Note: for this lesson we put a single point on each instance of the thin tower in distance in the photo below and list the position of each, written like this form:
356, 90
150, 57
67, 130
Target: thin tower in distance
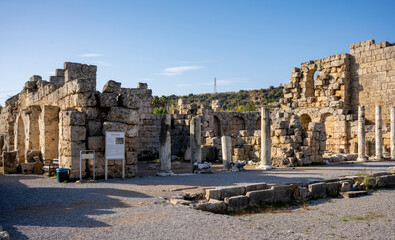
215, 85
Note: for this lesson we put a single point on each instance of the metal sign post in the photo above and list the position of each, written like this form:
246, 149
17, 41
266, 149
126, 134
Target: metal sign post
85, 155
115, 149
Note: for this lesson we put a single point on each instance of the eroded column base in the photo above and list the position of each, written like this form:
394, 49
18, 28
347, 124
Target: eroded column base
265, 167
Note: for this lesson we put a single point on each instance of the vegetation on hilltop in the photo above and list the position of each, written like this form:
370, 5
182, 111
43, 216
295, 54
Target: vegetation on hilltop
241, 101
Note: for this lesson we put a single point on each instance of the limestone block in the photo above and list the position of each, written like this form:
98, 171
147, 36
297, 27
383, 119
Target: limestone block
81, 86
74, 133
333, 189
131, 158
345, 186
96, 143
114, 126
317, 190
30, 154
236, 203
128, 100
79, 71
112, 87
87, 99
256, 198
385, 181
108, 100
281, 193
232, 191
300, 194
28, 168
213, 194
10, 162
93, 128
71, 149
132, 131
214, 206
123, 115
131, 171
256, 186
73, 118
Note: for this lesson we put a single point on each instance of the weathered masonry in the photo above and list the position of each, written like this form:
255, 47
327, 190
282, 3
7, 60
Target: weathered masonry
317, 117
66, 114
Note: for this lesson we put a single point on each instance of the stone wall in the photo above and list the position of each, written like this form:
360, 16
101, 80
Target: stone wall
66, 114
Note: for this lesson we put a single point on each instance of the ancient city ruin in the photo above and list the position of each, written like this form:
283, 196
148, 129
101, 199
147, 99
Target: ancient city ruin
341, 104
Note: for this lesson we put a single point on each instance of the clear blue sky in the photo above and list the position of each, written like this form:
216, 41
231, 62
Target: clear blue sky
178, 47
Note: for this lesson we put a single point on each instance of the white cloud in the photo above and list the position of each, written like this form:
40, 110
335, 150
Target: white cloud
90, 55
100, 63
174, 71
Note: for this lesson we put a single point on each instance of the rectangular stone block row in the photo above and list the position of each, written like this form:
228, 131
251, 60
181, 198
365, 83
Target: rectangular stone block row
225, 192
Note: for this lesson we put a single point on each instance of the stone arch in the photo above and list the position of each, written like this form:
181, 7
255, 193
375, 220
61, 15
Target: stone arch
310, 77
258, 124
217, 127
20, 145
49, 132
236, 124
330, 130
305, 119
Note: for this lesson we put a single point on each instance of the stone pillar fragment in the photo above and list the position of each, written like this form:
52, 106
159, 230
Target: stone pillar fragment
379, 135
266, 158
195, 141
226, 152
361, 134
165, 147
392, 137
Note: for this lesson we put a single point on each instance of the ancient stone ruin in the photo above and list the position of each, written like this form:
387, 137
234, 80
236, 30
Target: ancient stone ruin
317, 118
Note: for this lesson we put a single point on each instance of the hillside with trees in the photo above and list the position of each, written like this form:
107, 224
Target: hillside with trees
241, 101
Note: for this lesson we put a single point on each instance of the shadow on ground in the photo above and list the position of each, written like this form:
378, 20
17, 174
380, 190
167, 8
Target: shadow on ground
61, 206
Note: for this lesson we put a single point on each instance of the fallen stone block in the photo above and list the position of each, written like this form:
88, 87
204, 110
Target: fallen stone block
28, 168
176, 201
213, 194
333, 189
256, 186
256, 198
317, 190
352, 194
232, 191
345, 186
385, 181
213, 206
236, 203
282, 193
301, 194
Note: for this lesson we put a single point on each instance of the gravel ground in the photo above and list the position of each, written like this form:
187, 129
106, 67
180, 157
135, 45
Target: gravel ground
36, 207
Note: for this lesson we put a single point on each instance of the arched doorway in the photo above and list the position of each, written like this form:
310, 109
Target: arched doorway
258, 124
236, 124
330, 129
305, 120
217, 127
20, 141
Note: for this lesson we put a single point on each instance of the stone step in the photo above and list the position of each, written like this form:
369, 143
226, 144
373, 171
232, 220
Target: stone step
352, 194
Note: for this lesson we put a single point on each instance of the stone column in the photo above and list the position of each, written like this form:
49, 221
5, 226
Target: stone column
195, 141
392, 136
165, 147
226, 152
266, 157
379, 135
361, 134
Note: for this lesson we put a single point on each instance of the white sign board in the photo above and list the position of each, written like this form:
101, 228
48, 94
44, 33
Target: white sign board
115, 145
87, 156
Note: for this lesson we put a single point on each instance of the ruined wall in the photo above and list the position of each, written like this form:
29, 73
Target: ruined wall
373, 77
67, 114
